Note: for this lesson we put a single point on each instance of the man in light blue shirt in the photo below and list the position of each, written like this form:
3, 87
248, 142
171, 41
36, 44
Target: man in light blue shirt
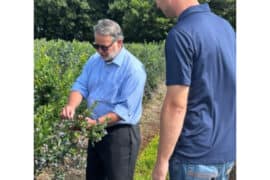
115, 79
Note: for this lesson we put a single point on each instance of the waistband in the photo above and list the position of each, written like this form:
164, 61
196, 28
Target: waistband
118, 126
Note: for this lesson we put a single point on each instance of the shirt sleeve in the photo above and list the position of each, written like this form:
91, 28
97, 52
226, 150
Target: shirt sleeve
131, 94
179, 58
81, 82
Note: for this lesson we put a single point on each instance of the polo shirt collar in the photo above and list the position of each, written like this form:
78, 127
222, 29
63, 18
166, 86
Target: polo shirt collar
194, 9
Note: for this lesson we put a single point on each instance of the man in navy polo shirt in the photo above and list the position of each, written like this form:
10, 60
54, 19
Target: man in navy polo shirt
198, 118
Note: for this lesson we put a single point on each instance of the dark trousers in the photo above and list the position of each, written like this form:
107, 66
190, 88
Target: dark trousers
114, 157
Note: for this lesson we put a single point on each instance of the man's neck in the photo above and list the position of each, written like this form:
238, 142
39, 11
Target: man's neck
186, 4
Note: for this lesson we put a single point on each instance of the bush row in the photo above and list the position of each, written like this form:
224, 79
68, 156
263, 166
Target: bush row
57, 64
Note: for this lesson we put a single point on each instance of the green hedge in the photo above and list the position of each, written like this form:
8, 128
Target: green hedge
57, 64
141, 20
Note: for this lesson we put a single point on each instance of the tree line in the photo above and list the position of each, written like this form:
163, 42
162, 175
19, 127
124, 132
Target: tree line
141, 20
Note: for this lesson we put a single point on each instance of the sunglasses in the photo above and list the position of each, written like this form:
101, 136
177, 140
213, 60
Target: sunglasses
102, 47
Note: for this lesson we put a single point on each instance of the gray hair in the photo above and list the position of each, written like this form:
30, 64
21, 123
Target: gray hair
109, 27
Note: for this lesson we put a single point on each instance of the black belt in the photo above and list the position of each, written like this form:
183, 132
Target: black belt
118, 126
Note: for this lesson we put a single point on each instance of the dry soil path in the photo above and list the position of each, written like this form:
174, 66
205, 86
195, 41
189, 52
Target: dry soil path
151, 113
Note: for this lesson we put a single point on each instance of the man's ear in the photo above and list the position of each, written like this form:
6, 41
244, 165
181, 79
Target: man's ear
119, 42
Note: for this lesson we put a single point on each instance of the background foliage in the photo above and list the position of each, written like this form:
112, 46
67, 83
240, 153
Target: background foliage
140, 19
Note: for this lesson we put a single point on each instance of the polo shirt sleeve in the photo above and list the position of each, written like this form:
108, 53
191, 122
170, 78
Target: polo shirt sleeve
81, 82
131, 94
179, 58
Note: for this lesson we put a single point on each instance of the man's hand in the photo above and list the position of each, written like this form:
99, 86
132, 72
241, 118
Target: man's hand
68, 112
160, 171
91, 122
74, 101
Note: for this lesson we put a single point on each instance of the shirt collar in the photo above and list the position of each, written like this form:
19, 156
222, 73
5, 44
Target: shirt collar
118, 59
194, 9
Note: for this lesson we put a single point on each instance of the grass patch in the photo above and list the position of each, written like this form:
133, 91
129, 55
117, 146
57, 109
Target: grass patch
146, 161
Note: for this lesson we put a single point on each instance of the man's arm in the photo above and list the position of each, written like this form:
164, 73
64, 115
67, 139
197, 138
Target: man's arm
74, 101
171, 123
110, 118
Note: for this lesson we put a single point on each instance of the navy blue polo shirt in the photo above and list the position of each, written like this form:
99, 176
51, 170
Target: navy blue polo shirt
200, 53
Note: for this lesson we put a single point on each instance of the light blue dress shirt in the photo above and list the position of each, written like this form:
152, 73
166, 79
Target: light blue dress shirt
116, 87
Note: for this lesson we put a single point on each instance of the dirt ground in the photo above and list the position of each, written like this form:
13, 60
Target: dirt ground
150, 117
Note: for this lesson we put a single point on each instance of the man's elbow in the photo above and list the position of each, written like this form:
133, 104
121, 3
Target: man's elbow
180, 109
177, 107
